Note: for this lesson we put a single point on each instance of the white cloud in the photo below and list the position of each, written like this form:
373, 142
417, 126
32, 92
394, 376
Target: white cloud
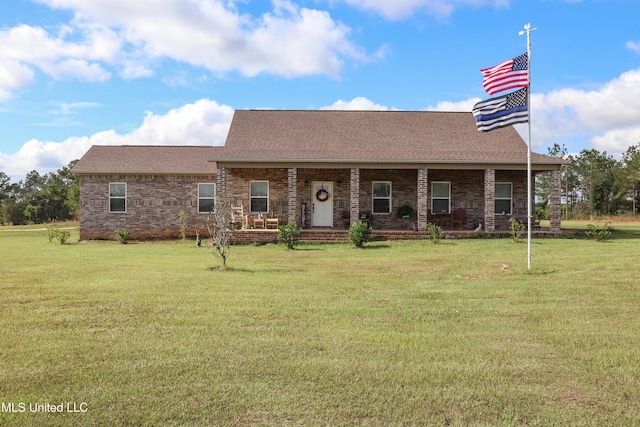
618, 140
610, 113
466, 105
13, 75
25, 47
634, 46
357, 103
400, 9
133, 36
204, 122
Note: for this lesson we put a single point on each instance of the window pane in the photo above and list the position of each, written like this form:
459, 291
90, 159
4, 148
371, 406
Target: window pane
503, 206
259, 189
503, 191
440, 189
381, 189
258, 205
440, 205
117, 190
206, 190
205, 205
117, 205
380, 205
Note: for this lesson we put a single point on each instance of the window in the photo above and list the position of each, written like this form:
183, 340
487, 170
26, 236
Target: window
117, 197
259, 196
206, 197
381, 197
440, 197
503, 198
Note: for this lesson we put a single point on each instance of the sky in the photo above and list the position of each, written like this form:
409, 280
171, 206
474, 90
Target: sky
74, 73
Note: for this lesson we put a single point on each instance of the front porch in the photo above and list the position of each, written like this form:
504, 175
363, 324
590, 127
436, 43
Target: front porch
333, 198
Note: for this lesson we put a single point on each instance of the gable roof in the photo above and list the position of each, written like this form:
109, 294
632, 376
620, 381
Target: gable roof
147, 159
370, 136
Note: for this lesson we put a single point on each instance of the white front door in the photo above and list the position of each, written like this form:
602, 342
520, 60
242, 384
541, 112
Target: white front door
322, 204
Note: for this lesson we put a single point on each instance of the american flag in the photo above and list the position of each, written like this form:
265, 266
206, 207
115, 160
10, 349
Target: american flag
501, 111
510, 74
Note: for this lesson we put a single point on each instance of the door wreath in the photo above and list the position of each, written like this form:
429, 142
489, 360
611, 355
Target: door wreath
322, 195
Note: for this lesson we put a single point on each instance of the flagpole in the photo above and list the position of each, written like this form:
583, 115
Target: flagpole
528, 29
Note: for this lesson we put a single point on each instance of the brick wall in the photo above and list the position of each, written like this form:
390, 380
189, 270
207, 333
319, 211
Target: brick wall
153, 203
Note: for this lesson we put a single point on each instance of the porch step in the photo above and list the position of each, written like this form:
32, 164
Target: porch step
342, 236
322, 236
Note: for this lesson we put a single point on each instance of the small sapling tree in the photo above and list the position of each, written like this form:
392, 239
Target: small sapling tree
517, 229
221, 230
435, 233
182, 217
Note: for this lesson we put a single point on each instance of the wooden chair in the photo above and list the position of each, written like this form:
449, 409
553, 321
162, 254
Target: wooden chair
535, 223
238, 217
346, 219
458, 218
259, 222
273, 222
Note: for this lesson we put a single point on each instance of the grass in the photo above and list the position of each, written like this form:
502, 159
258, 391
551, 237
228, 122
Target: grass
398, 333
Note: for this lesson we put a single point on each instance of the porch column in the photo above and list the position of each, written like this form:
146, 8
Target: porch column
423, 198
489, 200
354, 195
221, 182
292, 211
556, 203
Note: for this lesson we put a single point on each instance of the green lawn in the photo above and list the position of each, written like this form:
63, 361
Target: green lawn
398, 333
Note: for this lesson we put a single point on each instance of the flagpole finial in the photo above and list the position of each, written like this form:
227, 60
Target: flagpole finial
527, 29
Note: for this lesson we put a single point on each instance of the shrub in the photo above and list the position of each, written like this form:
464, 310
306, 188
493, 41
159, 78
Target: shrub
517, 229
123, 236
60, 235
51, 232
595, 231
359, 233
434, 232
289, 233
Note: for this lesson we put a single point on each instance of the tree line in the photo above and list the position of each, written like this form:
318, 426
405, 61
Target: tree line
40, 198
593, 183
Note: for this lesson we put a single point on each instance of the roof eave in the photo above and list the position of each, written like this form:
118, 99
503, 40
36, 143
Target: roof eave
137, 172
377, 161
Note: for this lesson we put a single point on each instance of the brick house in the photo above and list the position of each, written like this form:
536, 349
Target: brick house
322, 170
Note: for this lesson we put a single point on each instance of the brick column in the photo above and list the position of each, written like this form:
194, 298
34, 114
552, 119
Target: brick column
556, 203
489, 200
354, 195
221, 185
423, 198
292, 211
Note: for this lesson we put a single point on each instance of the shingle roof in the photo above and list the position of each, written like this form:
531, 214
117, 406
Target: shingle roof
147, 159
384, 136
